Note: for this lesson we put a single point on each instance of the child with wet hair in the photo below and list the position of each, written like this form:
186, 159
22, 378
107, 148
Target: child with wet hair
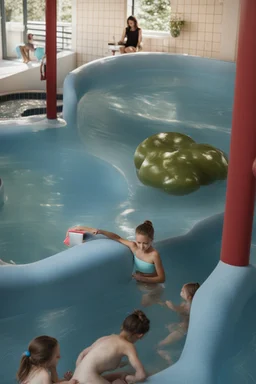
178, 330
38, 364
148, 267
107, 352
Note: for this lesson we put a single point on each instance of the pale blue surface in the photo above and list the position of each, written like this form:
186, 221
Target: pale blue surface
56, 178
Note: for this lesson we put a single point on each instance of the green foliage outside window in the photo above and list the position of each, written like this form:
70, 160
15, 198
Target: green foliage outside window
36, 10
154, 15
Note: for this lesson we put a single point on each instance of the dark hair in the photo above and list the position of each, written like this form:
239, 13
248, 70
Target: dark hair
146, 229
40, 351
192, 288
30, 35
137, 323
132, 18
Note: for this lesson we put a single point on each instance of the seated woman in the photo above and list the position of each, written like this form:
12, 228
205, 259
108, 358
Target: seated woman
24, 49
134, 36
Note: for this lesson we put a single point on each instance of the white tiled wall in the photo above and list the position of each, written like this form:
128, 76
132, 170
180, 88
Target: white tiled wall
209, 25
97, 22
201, 34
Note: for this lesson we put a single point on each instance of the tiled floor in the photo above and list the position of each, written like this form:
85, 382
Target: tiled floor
9, 67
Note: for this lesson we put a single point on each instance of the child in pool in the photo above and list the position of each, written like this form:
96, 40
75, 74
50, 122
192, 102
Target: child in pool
149, 271
179, 330
106, 354
38, 364
147, 261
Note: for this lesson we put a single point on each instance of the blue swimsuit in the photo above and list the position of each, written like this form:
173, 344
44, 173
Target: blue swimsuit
143, 266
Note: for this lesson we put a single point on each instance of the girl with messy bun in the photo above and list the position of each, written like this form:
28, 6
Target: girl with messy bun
148, 266
107, 352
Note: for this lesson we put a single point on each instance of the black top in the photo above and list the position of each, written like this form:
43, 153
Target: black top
132, 37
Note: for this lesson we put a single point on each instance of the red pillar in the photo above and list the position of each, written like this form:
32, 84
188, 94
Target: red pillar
51, 53
237, 231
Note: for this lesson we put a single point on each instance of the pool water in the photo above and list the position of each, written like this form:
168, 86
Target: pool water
15, 108
54, 179
79, 321
84, 174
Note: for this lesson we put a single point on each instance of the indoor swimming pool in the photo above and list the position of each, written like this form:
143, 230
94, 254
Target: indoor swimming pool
84, 174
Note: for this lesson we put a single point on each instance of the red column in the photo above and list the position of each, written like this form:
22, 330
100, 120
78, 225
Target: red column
240, 198
51, 53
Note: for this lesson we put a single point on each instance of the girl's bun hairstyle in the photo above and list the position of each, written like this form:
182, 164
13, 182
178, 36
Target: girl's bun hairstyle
146, 229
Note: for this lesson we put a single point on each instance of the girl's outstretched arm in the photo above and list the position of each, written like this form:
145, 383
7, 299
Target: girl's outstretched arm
110, 235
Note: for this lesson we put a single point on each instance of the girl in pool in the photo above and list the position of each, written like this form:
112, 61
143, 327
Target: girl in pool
148, 268
106, 354
134, 36
38, 364
179, 330
147, 261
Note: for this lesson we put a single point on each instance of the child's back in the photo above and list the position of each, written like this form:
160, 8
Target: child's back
104, 355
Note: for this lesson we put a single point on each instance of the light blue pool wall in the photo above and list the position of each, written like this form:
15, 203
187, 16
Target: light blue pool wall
217, 306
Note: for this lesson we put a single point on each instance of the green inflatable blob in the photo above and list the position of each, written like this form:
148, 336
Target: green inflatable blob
178, 165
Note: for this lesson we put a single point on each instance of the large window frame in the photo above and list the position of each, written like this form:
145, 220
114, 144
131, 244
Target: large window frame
131, 9
65, 38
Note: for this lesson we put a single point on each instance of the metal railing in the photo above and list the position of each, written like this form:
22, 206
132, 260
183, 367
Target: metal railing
64, 34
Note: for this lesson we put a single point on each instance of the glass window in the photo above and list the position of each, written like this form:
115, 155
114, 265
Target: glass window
14, 27
153, 15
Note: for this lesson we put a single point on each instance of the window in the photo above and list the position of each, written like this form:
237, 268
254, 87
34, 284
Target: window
28, 16
153, 15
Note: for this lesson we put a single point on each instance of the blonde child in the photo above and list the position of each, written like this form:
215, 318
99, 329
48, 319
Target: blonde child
179, 330
38, 364
106, 354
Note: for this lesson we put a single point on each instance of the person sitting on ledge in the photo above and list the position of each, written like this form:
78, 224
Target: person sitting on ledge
24, 49
134, 36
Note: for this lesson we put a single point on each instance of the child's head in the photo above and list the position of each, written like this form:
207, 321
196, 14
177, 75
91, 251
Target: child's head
188, 291
136, 325
43, 351
144, 235
30, 36
132, 22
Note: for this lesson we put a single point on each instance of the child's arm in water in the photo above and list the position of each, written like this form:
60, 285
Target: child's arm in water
110, 235
55, 378
160, 274
182, 308
45, 378
140, 374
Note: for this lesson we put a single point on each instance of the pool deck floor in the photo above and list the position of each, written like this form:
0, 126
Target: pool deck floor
10, 67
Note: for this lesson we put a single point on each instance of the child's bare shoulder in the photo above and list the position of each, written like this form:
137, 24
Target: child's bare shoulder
40, 376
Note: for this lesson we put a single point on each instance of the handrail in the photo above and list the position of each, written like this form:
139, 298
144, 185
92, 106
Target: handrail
64, 33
